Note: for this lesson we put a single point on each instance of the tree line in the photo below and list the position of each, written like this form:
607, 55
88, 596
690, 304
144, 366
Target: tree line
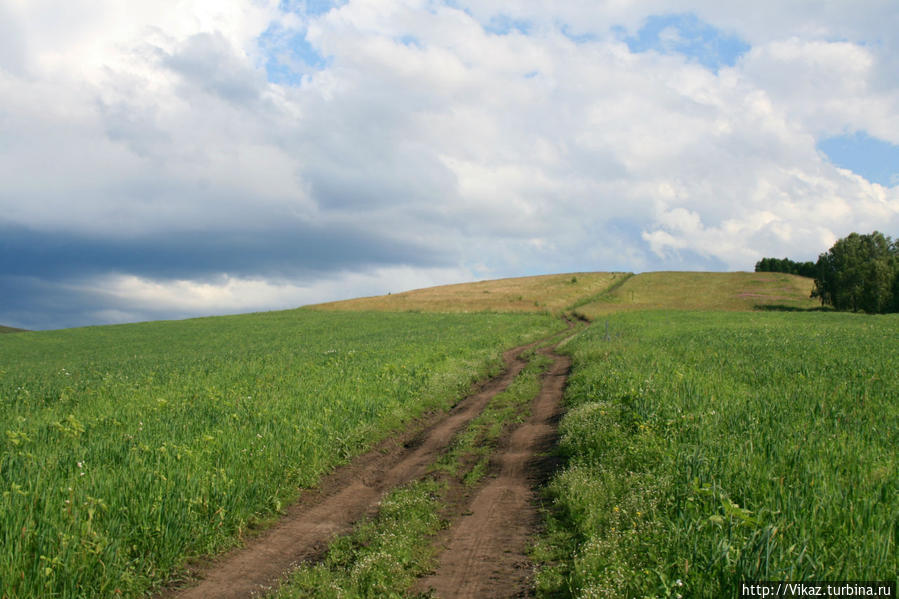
859, 273
805, 269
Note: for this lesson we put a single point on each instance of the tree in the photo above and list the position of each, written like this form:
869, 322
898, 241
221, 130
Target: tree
859, 273
805, 269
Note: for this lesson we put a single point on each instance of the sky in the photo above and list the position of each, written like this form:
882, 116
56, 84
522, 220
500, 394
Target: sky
181, 158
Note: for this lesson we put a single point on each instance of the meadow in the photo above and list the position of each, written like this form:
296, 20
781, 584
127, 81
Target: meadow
128, 449
708, 448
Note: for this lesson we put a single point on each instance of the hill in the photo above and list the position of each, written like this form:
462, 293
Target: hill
729, 291
593, 295
4, 329
553, 293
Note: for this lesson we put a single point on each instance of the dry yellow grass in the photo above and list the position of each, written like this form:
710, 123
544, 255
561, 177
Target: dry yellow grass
552, 293
704, 291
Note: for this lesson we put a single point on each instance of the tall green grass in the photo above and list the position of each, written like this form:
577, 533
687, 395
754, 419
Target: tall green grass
705, 449
125, 450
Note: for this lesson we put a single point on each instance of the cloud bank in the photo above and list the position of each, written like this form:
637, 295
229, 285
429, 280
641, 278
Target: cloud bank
169, 159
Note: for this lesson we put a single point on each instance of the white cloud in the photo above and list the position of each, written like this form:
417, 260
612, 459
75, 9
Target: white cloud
827, 87
138, 295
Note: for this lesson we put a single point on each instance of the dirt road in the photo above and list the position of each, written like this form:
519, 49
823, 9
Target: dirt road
485, 551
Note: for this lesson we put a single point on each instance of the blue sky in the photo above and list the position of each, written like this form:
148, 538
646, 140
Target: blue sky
176, 159
689, 36
874, 159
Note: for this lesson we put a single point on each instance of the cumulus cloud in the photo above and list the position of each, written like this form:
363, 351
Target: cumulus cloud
196, 153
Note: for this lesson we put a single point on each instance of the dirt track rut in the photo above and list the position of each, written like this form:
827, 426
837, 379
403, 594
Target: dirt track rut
485, 551
343, 498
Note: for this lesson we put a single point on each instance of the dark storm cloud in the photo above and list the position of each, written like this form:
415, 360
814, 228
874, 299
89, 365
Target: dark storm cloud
32, 303
37, 304
202, 254
43, 275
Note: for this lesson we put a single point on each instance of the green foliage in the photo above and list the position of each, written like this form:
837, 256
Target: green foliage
705, 449
382, 557
860, 272
124, 450
785, 265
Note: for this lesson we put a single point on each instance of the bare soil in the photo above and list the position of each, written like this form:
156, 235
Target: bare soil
485, 549
348, 494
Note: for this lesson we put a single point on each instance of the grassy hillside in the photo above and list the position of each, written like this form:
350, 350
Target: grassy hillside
126, 449
594, 295
553, 293
731, 291
4, 329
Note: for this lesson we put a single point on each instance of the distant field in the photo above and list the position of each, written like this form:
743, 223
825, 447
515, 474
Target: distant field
731, 291
706, 449
548, 293
4, 329
126, 449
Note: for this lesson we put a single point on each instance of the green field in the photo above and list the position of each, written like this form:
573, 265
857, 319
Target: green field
127, 449
738, 434
706, 449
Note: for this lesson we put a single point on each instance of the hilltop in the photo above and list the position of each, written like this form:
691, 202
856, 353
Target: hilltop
4, 329
554, 293
592, 295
